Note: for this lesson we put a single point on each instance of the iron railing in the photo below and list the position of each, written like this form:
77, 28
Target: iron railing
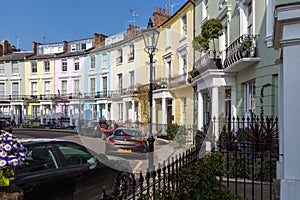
244, 47
248, 148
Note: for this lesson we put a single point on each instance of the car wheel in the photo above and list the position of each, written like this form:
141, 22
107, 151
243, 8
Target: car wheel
124, 184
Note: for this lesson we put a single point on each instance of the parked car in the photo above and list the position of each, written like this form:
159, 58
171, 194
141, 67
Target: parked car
126, 142
58, 169
6, 125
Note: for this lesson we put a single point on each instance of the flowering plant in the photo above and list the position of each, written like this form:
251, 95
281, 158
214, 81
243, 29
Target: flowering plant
12, 154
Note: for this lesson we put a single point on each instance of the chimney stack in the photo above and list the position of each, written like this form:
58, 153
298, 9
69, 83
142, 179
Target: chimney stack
160, 16
34, 47
132, 30
6, 47
65, 47
99, 39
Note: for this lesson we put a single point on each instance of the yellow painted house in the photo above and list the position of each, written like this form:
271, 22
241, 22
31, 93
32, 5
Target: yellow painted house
39, 86
173, 94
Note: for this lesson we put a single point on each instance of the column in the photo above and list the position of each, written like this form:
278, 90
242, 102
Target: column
133, 111
215, 113
106, 112
290, 182
154, 120
71, 115
41, 114
200, 110
125, 111
164, 115
51, 111
233, 102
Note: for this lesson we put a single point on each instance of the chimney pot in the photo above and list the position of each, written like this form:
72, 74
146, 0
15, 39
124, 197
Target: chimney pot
156, 9
167, 12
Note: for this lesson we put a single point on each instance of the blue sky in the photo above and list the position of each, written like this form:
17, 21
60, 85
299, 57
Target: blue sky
66, 20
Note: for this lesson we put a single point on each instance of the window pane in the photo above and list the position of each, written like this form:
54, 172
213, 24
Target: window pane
75, 154
38, 158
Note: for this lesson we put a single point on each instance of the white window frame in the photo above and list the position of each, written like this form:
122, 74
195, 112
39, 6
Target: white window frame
183, 26
15, 93
33, 67
2, 68
104, 60
34, 88
120, 56
46, 66
92, 86
2, 89
93, 61
168, 36
76, 84
64, 65
76, 64
47, 88
15, 68
249, 98
64, 87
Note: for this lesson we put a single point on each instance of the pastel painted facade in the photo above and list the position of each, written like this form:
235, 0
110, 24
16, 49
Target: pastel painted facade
39, 83
239, 82
12, 83
128, 70
174, 95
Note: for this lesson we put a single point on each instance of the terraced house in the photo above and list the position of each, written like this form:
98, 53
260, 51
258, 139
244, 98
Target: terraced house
242, 79
108, 77
12, 82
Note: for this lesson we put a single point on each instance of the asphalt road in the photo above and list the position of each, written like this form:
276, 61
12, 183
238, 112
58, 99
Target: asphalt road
163, 150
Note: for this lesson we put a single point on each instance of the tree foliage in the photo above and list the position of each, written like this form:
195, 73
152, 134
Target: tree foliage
212, 29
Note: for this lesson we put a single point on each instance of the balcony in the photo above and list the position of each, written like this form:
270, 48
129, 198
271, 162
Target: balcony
205, 63
241, 53
103, 94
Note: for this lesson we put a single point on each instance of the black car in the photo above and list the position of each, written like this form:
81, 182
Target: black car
127, 142
57, 169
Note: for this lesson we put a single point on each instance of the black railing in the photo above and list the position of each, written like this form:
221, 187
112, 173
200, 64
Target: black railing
244, 47
151, 182
247, 149
204, 63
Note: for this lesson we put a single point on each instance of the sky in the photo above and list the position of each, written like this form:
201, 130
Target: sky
49, 21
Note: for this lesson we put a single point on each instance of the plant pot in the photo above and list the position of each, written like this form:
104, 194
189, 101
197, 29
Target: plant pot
11, 192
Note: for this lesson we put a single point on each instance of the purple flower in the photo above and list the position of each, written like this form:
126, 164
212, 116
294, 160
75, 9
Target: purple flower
7, 147
3, 154
3, 163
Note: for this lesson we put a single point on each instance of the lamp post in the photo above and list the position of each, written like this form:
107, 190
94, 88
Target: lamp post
150, 36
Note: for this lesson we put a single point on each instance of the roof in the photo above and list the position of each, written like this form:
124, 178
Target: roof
15, 56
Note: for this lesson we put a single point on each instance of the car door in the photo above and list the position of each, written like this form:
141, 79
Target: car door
42, 176
89, 174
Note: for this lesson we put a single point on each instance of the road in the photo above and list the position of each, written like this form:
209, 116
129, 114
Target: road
163, 150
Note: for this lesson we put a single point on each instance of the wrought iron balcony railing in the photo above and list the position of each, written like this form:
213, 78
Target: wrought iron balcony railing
244, 47
204, 63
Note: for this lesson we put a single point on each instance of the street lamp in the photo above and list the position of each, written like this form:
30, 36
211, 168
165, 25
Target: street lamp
150, 36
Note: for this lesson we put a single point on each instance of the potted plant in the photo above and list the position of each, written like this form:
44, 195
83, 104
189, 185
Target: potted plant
12, 155
210, 30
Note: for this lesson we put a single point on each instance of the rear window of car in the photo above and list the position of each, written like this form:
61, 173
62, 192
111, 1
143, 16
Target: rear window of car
127, 132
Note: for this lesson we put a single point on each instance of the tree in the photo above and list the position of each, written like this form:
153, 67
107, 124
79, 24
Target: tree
210, 30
